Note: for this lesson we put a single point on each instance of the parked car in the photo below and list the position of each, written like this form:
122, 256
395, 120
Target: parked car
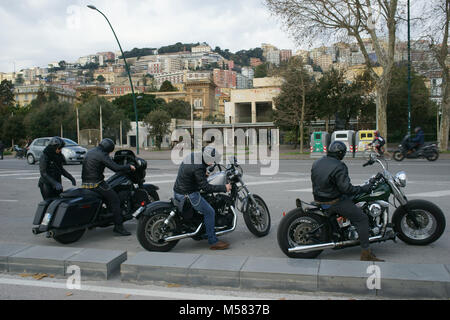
72, 152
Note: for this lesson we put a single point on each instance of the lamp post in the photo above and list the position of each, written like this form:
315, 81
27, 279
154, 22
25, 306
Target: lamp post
129, 77
409, 71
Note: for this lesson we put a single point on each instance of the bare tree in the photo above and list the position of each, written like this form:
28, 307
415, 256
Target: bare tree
437, 20
357, 19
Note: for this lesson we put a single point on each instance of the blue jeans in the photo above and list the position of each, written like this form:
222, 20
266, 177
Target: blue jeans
202, 206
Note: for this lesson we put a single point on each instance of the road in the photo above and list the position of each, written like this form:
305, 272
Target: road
19, 196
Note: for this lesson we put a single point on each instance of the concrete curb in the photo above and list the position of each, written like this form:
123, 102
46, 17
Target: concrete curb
381, 279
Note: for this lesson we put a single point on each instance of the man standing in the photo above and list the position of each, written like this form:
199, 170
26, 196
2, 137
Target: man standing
190, 180
2, 148
332, 186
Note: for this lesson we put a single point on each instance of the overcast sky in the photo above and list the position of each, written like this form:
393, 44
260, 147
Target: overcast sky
36, 32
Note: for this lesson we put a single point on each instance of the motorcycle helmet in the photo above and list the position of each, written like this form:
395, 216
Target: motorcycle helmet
377, 133
210, 155
337, 150
107, 145
57, 142
417, 129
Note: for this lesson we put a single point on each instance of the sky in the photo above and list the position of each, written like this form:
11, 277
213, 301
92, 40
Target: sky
38, 32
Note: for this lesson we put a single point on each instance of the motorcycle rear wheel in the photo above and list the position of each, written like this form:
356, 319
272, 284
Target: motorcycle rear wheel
293, 231
70, 237
149, 232
433, 156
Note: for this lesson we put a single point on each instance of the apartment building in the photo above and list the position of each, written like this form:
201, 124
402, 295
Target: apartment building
224, 78
23, 95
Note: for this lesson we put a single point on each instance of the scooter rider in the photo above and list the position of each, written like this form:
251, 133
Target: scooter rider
190, 180
331, 186
379, 142
51, 169
92, 178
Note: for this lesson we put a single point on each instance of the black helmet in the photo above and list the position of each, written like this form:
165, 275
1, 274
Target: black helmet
337, 150
210, 155
57, 142
107, 145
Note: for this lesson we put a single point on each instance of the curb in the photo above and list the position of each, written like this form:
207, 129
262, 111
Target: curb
385, 279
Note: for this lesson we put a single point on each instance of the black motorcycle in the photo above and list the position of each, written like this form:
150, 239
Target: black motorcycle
66, 218
428, 151
305, 232
163, 223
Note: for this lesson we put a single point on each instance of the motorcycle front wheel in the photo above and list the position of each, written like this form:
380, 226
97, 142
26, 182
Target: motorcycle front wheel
428, 226
150, 232
295, 230
258, 224
398, 156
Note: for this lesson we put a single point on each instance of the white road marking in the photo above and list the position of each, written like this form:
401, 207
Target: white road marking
124, 291
1, 200
275, 181
301, 190
432, 194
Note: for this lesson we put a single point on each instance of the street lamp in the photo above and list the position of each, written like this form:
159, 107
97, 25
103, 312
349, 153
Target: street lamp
129, 77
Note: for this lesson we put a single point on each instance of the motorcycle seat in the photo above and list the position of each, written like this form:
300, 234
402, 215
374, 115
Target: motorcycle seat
80, 192
184, 207
321, 206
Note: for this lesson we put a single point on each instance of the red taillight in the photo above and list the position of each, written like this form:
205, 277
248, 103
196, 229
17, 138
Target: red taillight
86, 206
143, 204
284, 214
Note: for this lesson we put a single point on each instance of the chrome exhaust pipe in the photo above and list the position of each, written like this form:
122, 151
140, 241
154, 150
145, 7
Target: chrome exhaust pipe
185, 235
219, 233
330, 245
234, 224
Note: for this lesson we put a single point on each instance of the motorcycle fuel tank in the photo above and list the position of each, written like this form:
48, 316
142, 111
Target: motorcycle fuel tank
217, 179
381, 192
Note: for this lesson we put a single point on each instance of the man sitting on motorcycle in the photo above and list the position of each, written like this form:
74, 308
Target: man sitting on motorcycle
416, 142
190, 180
92, 178
331, 186
379, 142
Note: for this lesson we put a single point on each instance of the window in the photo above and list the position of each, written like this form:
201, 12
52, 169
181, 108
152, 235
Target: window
318, 136
341, 136
39, 142
363, 135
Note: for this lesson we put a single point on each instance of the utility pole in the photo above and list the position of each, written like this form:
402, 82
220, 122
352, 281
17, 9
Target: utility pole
409, 71
101, 124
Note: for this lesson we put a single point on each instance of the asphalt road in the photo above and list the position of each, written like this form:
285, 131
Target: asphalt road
19, 196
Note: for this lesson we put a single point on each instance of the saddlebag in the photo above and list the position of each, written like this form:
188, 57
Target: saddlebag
41, 211
75, 212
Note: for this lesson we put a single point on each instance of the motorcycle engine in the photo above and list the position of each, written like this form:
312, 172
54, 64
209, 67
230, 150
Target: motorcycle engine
221, 204
375, 210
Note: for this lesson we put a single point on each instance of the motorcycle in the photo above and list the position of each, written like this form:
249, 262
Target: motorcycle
162, 224
20, 152
306, 232
66, 218
428, 151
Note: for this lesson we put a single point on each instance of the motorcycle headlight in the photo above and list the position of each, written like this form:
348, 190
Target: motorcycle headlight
400, 179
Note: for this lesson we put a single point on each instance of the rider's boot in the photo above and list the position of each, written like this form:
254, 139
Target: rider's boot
367, 255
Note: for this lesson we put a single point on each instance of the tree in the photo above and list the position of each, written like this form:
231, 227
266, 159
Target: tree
261, 71
6, 94
112, 116
313, 19
19, 79
101, 79
438, 20
179, 109
291, 104
145, 103
159, 123
167, 87
423, 111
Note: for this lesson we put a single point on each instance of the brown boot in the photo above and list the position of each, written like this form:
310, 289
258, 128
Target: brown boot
220, 245
367, 255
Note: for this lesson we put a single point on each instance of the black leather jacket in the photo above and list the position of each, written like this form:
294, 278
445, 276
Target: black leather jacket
330, 180
51, 170
192, 177
94, 165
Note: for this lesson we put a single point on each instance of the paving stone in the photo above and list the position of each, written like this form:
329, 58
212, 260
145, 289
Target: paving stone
280, 274
216, 270
414, 280
97, 263
42, 259
7, 250
345, 276
158, 266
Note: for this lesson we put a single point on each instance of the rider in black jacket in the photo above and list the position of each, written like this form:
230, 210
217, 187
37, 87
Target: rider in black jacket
51, 169
191, 180
332, 186
94, 165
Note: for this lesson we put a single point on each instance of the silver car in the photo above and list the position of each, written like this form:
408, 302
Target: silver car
72, 152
